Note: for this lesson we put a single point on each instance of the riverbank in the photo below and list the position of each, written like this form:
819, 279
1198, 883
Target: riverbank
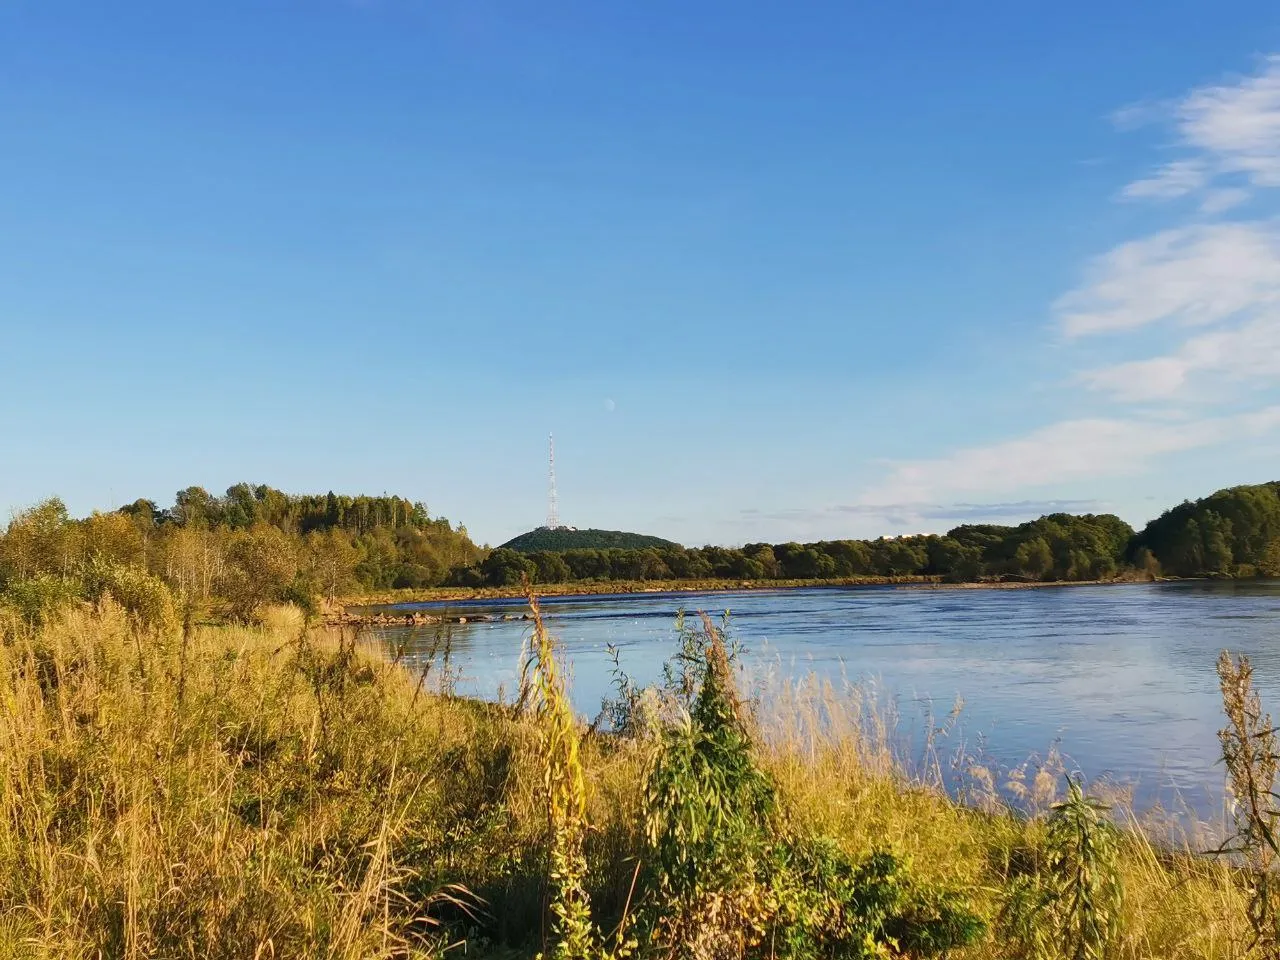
362, 608
269, 792
596, 588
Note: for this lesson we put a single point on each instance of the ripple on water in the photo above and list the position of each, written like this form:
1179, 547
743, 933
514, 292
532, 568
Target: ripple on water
1123, 676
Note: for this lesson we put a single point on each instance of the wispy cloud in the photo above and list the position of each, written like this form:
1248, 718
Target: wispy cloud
1194, 275
1135, 115
1222, 199
967, 512
1229, 130
1070, 450
1225, 359
1223, 276
915, 517
1172, 180
1011, 508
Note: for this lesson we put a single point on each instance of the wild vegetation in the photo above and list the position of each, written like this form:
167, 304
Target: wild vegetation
171, 790
188, 768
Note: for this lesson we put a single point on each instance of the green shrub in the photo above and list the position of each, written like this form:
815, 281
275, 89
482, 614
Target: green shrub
831, 906
729, 878
38, 600
1071, 906
146, 598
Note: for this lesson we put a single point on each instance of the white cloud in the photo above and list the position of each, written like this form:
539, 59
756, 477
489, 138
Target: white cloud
1141, 380
1195, 275
1065, 451
1222, 276
1238, 124
1223, 199
1231, 129
1250, 352
1140, 114
1172, 180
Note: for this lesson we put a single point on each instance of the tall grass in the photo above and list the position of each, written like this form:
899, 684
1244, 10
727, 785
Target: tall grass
262, 793
273, 791
574, 935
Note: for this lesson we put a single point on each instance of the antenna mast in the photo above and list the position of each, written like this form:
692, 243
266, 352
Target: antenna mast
553, 501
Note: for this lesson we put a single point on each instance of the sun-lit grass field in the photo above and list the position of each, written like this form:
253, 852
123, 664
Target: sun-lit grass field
279, 791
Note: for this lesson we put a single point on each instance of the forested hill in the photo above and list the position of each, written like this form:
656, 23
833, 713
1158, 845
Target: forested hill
1234, 532
564, 538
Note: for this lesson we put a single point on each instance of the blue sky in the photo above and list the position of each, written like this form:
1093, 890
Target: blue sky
768, 271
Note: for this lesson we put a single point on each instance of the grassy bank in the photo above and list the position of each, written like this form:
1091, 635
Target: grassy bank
272, 791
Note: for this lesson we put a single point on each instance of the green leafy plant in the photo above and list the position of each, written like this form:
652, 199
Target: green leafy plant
1084, 884
37, 600
831, 905
1071, 907
728, 878
146, 598
706, 806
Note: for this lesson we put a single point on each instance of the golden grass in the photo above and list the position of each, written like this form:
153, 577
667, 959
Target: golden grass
277, 806
269, 792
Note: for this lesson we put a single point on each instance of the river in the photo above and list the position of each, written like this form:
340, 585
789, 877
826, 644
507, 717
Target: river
1119, 679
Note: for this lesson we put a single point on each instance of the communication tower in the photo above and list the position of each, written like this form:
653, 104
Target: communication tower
553, 501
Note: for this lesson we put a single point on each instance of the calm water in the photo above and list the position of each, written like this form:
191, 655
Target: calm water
1120, 678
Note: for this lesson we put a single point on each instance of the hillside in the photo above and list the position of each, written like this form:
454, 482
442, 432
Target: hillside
564, 538
1233, 532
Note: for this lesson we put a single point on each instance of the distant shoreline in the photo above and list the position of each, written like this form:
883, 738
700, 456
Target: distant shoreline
623, 587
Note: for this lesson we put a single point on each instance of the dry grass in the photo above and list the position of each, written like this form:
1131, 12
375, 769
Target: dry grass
831, 749
289, 801
265, 792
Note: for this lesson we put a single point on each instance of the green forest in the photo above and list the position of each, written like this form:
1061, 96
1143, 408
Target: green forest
1056, 547
1234, 532
256, 545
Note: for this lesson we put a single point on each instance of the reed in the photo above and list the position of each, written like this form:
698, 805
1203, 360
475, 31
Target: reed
573, 934
1249, 751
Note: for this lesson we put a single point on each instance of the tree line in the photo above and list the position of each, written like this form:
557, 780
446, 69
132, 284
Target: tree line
251, 546
1055, 547
255, 545
1234, 532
